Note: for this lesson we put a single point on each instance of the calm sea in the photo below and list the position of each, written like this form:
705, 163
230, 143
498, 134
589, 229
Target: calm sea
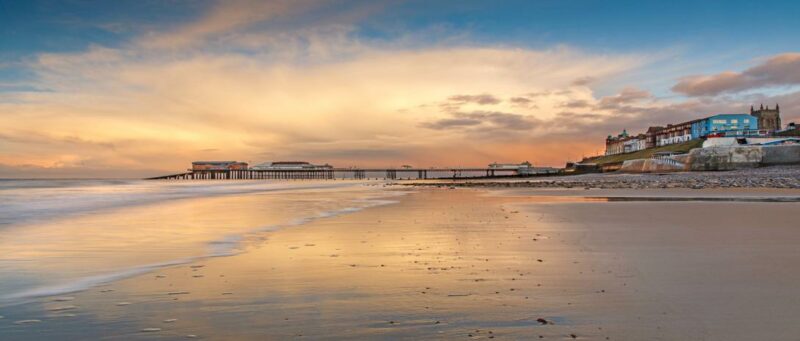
62, 236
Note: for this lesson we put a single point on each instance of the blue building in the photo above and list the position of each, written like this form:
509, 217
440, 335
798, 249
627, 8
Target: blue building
730, 124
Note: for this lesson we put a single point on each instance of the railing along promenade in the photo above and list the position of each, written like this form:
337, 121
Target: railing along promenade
341, 173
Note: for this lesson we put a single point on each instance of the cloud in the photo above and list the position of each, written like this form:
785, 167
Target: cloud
580, 103
481, 99
626, 96
484, 121
520, 100
583, 81
779, 70
320, 93
449, 123
224, 17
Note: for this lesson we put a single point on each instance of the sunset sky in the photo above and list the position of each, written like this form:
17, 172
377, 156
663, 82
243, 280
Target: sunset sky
138, 88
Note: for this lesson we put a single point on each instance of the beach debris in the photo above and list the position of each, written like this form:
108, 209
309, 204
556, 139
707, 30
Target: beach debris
457, 295
227, 293
27, 321
150, 330
540, 260
178, 293
123, 304
62, 308
573, 336
160, 276
293, 247
311, 245
198, 276
63, 299
107, 290
169, 320
543, 321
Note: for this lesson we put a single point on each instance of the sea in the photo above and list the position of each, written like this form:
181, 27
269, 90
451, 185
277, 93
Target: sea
63, 236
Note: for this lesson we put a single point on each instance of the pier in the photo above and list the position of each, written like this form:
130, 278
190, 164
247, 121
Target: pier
343, 174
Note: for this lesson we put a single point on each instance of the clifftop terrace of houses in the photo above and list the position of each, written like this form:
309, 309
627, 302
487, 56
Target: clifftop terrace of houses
761, 122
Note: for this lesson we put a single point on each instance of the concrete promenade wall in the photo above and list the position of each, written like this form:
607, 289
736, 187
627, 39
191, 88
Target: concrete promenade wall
718, 158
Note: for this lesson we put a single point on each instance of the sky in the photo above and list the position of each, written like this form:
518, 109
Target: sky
141, 88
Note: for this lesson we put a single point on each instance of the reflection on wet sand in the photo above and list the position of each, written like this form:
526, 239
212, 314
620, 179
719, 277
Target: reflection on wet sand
438, 264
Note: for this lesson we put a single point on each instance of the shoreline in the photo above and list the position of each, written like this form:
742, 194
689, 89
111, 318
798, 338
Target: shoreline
467, 263
777, 177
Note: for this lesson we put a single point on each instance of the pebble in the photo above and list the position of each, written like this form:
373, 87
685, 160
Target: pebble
762, 177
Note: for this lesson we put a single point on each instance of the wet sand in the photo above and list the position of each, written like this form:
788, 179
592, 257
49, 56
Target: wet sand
469, 264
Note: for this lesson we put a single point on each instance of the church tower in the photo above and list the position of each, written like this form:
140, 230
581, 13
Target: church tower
768, 119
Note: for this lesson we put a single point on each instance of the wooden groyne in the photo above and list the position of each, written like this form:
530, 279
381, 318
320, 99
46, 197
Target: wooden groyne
341, 173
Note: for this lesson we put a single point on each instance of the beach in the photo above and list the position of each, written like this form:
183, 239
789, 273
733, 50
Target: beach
397, 262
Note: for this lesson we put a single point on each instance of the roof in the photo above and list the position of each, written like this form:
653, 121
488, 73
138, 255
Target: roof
218, 162
290, 163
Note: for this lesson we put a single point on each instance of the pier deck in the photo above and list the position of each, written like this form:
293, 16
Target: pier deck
342, 173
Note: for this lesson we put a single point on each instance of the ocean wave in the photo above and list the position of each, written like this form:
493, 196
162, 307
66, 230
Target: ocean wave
228, 245
30, 201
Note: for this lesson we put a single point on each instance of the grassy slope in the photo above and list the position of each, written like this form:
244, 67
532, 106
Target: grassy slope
647, 153
795, 132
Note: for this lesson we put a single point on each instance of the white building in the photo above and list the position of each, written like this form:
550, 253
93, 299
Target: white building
511, 166
290, 165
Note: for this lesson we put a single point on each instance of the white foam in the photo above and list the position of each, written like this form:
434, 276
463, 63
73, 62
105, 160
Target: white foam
229, 245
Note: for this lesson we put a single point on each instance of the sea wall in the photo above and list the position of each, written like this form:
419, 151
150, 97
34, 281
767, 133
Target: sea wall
718, 158
651, 166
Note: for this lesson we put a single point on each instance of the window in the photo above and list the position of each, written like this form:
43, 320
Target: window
746, 120
719, 121
734, 121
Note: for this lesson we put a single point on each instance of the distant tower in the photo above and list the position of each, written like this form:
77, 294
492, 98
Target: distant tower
768, 119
